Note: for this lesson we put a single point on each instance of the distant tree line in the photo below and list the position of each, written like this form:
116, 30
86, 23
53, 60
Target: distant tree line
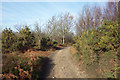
60, 28
93, 17
24, 40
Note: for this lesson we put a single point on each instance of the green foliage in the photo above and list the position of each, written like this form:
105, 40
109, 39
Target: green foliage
54, 43
15, 71
108, 74
37, 67
9, 62
26, 39
118, 53
77, 56
24, 64
12, 61
36, 47
97, 44
11, 42
47, 43
8, 41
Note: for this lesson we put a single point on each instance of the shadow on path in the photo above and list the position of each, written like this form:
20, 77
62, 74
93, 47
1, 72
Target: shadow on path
42, 69
58, 48
47, 67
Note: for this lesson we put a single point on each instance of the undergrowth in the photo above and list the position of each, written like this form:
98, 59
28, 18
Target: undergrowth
100, 47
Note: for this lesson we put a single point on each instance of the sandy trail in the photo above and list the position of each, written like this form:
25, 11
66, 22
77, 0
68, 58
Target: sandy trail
64, 66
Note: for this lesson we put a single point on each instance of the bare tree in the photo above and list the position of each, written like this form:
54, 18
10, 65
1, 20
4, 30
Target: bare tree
19, 27
65, 24
59, 25
90, 17
97, 18
0, 41
51, 27
111, 11
118, 8
38, 32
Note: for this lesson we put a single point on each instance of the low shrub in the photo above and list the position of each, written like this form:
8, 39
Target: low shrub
11, 61
100, 45
47, 43
37, 66
118, 51
54, 43
24, 64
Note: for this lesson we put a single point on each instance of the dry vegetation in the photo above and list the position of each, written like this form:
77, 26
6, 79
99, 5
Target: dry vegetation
24, 65
96, 43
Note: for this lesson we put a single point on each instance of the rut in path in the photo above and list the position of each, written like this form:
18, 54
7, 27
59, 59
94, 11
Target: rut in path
63, 66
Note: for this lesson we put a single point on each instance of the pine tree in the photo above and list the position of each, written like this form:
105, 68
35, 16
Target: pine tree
8, 41
26, 39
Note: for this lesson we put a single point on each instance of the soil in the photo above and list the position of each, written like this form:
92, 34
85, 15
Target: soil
63, 66
58, 64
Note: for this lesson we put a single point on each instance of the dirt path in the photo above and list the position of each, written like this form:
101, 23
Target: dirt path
64, 66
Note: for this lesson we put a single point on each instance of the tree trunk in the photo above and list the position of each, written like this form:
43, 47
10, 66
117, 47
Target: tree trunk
63, 39
94, 22
39, 42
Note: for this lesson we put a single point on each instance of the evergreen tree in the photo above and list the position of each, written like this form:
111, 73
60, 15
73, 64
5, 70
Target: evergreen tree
26, 39
8, 41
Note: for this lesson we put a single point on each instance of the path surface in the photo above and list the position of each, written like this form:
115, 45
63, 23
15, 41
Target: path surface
64, 66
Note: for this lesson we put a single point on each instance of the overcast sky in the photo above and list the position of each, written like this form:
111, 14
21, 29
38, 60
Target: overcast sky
30, 12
